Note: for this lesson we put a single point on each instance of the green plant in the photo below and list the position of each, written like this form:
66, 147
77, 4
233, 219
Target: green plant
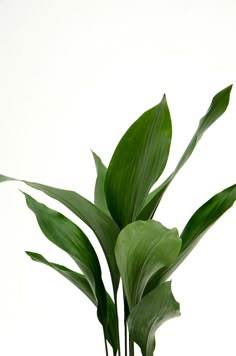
140, 251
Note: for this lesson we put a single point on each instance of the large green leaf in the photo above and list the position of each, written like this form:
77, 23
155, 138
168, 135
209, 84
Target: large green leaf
70, 238
102, 225
196, 227
148, 315
217, 108
99, 193
142, 249
81, 282
137, 163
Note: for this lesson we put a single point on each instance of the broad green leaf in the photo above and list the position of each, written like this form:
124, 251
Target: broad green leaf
102, 225
70, 238
99, 193
149, 314
76, 278
81, 282
142, 249
218, 106
197, 226
137, 163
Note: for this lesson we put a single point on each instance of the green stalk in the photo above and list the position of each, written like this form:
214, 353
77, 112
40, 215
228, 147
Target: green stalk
125, 332
117, 324
126, 313
131, 347
105, 342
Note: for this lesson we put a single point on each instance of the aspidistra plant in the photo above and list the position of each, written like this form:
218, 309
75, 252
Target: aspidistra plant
141, 253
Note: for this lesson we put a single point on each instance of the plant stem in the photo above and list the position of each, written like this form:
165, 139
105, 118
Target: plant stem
105, 341
131, 347
117, 324
125, 332
125, 323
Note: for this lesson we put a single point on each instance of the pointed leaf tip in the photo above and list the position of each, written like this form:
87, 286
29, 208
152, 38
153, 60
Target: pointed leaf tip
217, 107
138, 161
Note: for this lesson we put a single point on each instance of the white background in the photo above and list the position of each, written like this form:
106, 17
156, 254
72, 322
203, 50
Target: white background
73, 76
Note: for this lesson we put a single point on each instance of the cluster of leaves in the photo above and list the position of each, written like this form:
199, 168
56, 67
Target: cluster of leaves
139, 250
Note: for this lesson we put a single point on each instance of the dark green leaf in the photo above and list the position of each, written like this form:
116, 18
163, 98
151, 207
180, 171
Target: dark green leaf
99, 193
148, 315
76, 278
102, 225
81, 282
142, 249
217, 108
112, 330
196, 227
70, 238
137, 163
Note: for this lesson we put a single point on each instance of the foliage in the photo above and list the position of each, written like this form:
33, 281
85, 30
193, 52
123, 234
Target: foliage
140, 251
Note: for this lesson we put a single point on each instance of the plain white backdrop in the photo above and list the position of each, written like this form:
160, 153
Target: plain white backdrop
74, 75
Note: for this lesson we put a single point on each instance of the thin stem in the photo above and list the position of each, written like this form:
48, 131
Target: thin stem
105, 342
125, 323
125, 332
117, 324
131, 347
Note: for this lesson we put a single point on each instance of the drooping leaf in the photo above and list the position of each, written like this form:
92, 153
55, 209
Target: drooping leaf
102, 225
99, 193
149, 314
70, 238
76, 278
218, 106
81, 282
197, 226
142, 249
137, 163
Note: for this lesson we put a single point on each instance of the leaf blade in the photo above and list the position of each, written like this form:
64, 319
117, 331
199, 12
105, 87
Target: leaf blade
140, 156
100, 223
81, 283
76, 278
217, 107
99, 193
149, 314
142, 249
70, 238
200, 222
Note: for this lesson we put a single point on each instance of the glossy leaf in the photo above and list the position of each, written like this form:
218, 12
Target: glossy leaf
99, 193
149, 314
197, 226
102, 225
142, 249
217, 108
81, 282
70, 238
137, 163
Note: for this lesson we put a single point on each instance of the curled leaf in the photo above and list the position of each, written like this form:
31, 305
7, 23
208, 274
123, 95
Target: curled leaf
149, 314
142, 249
